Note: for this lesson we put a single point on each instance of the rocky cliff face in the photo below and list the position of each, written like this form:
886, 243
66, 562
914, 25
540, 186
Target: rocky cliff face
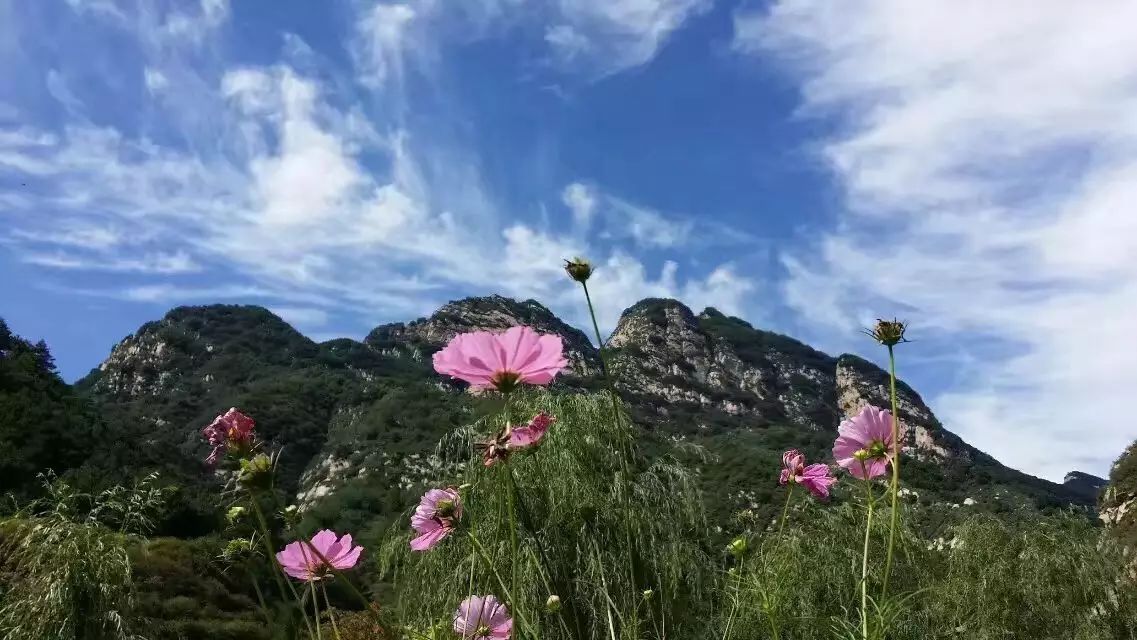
370, 412
490, 313
1118, 508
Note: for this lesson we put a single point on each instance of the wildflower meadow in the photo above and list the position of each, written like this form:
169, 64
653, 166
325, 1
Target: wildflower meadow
547, 520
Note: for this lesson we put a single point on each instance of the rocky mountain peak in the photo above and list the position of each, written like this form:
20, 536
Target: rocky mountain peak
488, 313
1085, 484
860, 382
154, 358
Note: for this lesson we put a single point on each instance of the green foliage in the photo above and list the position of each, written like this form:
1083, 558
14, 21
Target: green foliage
984, 577
65, 558
185, 592
594, 531
44, 424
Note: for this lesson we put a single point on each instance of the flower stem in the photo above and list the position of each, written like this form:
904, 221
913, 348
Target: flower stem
895, 471
627, 446
511, 496
260, 599
501, 583
331, 612
604, 369
785, 511
277, 570
315, 606
865, 559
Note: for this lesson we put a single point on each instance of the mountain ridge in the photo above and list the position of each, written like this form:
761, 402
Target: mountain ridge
704, 377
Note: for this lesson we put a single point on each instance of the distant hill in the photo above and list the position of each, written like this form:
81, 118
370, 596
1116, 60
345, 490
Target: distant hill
359, 421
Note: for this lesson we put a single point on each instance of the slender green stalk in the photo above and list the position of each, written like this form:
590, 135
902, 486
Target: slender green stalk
501, 583
281, 579
865, 559
315, 606
514, 546
734, 602
331, 612
895, 471
261, 600
785, 511
629, 451
511, 503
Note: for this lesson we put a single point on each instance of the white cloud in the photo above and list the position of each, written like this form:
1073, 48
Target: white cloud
157, 263
581, 201
155, 80
989, 156
609, 36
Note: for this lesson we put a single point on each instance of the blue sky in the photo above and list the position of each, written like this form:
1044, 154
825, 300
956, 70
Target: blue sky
804, 164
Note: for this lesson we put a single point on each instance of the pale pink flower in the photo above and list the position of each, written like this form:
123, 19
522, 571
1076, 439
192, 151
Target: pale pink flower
302, 563
435, 516
501, 361
530, 434
864, 443
815, 477
483, 618
231, 431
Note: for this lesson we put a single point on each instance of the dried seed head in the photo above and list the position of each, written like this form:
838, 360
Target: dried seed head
578, 269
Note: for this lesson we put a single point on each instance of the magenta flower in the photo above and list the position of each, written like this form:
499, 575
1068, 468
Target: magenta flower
302, 563
435, 516
483, 618
864, 443
231, 431
530, 434
502, 361
815, 477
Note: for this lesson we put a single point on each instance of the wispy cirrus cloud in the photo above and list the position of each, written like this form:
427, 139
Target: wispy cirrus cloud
296, 181
988, 153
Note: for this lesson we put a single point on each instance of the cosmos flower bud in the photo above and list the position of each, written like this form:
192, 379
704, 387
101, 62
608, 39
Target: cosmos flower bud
234, 515
888, 332
553, 604
291, 514
237, 550
737, 547
256, 473
578, 269
648, 594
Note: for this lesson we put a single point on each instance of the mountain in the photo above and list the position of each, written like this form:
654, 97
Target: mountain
1118, 508
359, 421
1086, 484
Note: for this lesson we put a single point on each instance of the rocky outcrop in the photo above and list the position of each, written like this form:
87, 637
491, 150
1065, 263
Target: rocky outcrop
188, 345
664, 354
371, 411
1118, 507
1085, 484
491, 313
861, 383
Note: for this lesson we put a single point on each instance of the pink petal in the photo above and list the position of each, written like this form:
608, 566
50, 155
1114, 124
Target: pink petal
323, 542
844, 448
347, 560
429, 540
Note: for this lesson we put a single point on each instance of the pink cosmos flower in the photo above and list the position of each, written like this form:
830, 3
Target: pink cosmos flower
300, 562
435, 516
231, 431
864, 443
815, 477
501, 361
530, 434
483, 618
